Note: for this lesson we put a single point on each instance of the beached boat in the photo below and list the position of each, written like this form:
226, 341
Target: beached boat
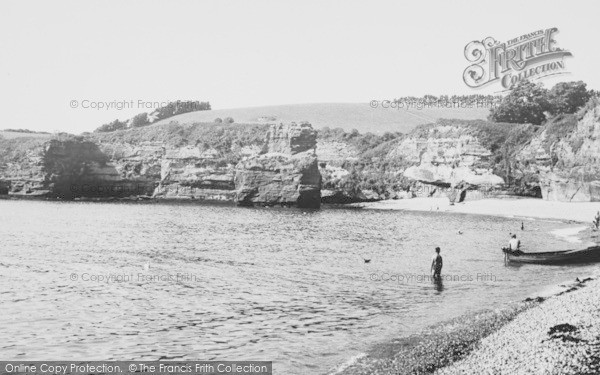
588, 255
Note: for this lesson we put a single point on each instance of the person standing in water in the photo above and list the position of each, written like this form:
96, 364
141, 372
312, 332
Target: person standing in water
436, 264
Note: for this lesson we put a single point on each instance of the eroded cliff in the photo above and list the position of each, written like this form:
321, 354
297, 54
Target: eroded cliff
291, 164
171, 162
564, 157
454, 158
286, 174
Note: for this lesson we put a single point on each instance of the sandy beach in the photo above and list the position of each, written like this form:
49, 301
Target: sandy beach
523, 207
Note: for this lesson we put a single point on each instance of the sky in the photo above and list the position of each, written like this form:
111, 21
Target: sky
253, 53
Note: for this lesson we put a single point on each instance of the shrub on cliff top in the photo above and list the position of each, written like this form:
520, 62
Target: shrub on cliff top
111, 127
160, 113
221, 137
529, 102
526, 103
140, 120
362, 142
589, 106
13, 150
568, 97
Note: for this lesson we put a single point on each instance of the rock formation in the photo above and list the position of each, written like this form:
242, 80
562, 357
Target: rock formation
283, 170
451, 157
288, 174
564, 157
277, 164
189, 173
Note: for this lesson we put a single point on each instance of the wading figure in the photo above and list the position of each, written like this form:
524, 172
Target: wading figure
436, 264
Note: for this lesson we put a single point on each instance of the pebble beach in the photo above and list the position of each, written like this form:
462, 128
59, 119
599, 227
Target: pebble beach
561, 335
557, 331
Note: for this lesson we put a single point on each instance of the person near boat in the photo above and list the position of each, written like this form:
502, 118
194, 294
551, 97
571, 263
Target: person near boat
514, 245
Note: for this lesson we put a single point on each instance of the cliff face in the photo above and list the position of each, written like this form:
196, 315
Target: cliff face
565, 157
190, 173
287, 174
125, 167
451, 157
458, 159
281, 164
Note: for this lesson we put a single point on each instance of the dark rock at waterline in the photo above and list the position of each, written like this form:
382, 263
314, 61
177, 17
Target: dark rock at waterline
562, 328
565, 332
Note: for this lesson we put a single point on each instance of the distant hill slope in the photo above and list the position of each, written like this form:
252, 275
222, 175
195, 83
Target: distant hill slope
11, 135
347, 116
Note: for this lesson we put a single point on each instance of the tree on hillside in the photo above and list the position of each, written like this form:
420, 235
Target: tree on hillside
218, 120
568, 97
526, 103
140, 120
111, 127
228, 120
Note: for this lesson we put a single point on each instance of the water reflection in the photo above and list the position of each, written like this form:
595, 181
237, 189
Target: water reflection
438, 283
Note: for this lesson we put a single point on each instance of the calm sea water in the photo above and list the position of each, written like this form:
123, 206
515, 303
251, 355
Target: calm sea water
101, 281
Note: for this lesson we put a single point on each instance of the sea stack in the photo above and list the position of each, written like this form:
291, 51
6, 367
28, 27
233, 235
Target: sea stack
285, 174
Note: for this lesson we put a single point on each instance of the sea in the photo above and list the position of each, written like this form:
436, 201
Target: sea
306, 289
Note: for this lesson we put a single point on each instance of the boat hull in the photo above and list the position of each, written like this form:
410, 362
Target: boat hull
589, 255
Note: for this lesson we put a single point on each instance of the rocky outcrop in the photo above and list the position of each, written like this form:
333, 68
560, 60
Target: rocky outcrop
85, 169
24, 175
564, 157
281, 170
4, 187
450, 157
288, 174
284, 165
189, 173
454, 158
292, 138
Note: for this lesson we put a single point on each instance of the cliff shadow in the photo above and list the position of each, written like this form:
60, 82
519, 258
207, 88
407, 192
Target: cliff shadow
76, 168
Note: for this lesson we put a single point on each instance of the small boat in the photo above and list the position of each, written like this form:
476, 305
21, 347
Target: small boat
588, 255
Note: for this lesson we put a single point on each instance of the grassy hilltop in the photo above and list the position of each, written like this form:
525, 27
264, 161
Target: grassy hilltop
348, 116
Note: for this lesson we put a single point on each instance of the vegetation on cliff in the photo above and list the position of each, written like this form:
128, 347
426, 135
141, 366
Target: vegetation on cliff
567, 144
143, 119
504, 140
366, 166
532, 103
362, 142
27, 131
378, 167
16, 149
225, 139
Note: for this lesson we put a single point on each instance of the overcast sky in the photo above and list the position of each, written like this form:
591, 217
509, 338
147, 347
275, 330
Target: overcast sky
251, 53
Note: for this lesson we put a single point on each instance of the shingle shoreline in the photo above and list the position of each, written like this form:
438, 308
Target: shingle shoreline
557, 335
